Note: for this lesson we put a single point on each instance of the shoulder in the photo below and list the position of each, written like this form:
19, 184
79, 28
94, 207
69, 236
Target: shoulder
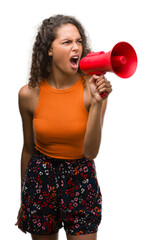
26, 96
27, 92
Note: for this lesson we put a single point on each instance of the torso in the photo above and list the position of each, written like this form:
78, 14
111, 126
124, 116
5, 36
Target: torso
35, 98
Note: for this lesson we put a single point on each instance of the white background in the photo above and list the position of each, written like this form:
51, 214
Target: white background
124, 161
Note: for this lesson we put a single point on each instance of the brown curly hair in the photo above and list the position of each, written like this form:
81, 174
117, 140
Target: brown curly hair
41, 61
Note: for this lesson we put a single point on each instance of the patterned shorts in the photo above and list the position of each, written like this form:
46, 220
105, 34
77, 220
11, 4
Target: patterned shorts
60, 193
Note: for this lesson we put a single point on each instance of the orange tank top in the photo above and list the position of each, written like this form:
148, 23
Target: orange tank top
59, 121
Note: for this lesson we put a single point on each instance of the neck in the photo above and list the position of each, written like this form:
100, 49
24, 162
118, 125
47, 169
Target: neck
62, 81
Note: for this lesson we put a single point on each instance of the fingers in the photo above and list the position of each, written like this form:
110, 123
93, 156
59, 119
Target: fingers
103, 85
94, 78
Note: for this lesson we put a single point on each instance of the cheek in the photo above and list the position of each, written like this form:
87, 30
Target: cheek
60, 56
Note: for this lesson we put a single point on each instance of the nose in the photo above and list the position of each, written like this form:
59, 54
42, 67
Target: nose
75, 46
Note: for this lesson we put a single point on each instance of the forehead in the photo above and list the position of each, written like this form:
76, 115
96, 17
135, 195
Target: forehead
67, 31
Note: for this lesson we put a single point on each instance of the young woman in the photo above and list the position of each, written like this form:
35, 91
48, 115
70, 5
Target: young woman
62, 114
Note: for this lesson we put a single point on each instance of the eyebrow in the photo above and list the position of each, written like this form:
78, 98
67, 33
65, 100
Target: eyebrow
69, 38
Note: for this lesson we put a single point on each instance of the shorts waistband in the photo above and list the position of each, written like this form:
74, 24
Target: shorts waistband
57, 160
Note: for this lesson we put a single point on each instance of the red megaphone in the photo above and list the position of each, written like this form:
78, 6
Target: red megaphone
122, 60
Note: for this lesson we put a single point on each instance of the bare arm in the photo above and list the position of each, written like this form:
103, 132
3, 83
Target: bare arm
94, 128
92, 137
24, 98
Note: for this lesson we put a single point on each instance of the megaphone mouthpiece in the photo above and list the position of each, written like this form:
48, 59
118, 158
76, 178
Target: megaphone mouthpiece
117, 60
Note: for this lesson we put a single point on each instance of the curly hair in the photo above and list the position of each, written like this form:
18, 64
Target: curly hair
41, 61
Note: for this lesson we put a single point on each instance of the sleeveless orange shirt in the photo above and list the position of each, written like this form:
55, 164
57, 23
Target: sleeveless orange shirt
60, 120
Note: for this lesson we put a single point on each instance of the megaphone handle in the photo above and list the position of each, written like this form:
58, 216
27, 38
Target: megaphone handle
104, 94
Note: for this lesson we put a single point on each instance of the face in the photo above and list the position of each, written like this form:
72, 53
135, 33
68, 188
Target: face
66, 49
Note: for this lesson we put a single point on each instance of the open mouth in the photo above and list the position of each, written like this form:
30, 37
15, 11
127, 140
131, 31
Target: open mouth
74, 61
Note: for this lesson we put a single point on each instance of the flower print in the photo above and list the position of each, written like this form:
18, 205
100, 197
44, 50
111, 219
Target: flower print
44, 193
40, 181
71, 189
85, 176
83, 202
76, 220
85, 169
35, 168
53, 195
93, 212
75, 172
96, 209
89, 186
70, 207
34, 204
75, 204
82, 190
62, 183
51, 206
92, 190
82, 174
38, 191
71, 219
92, 175
64, 206
38, 207
89, 164
46, 172
49, 188
72, 184
44, 166
38, 167
34, 221
40, 197
48, 199
38, 162
88, 208
34, 211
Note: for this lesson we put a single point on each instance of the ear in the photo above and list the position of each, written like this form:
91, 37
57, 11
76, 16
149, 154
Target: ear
50, 52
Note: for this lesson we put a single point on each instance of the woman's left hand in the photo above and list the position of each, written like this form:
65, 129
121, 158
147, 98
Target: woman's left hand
102, 85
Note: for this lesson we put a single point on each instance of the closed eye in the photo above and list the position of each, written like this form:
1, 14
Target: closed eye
66, 42
70, 41
79, 41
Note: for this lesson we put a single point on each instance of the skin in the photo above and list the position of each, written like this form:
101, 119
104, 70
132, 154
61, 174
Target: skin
63, 75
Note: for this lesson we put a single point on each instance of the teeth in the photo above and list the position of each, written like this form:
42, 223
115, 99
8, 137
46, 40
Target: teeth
75, 57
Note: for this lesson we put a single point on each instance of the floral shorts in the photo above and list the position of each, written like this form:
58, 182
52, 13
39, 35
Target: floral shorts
60, 193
